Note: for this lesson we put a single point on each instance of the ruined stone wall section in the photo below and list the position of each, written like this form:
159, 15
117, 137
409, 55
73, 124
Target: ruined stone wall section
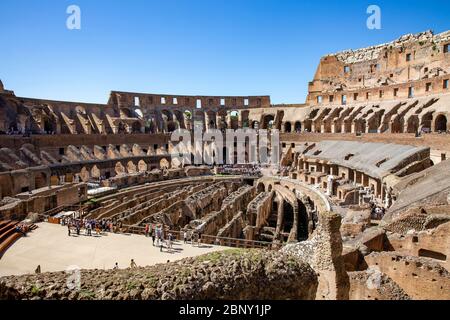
323, 251
414, 60
420, 278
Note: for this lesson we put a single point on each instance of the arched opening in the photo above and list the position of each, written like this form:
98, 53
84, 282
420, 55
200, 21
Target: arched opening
397, 125
268, 122
260, 187
298, 126
126, 112
40, 180
164, 164
426, 121
244, 118
440, 123
142, 166
171, 126
303, 224
48, 126
121, 128
131, 167
95, 172
234, 117
288, 219
136, 127
119, 168
84, 174
287, 127
413, 124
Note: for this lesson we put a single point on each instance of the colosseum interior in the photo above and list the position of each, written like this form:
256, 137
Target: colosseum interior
358, 206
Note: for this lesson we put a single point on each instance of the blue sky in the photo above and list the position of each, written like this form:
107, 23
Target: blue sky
198, 47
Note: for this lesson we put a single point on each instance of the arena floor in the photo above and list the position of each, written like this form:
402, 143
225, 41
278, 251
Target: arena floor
50, 247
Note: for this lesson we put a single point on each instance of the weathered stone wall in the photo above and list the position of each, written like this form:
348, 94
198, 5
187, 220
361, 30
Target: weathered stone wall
233, 274
374, 285
420, 278
324, 253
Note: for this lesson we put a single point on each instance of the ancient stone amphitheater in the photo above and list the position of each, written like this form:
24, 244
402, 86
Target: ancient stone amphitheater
357, 208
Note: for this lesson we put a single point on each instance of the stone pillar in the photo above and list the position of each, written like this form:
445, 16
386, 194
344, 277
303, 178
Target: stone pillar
229, 119
207, 121
280, 218
330, 185
240, 123
218, 121
326, 258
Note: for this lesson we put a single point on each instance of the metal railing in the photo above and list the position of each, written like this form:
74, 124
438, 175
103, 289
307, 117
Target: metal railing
213, 240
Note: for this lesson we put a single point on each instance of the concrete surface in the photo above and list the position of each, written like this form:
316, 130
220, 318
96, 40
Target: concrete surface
51, 247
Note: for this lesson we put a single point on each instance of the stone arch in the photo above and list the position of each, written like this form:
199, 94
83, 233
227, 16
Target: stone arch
40, 180
136, 127
84, 174
179, 116
121, 128
142, 166
268, 120
440, 124
244, 118
119, 168
287, 127
397, 125
298, 126
221, 117
95, 172
427, 118
131, 167
305, 225
164, 164
260, 188
49, 125
126, 112
412, 124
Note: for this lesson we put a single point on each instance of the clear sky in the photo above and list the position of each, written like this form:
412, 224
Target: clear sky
193, 47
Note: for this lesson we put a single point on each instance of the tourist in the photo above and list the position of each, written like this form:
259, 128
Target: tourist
169, 242
68, 229
146, 229
133, 264
89, 228
199, 239
153, 236
116, 266
185, 236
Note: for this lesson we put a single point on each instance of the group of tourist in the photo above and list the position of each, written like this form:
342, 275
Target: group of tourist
158, 234
249, 170
162, 236
22, 228
74, 226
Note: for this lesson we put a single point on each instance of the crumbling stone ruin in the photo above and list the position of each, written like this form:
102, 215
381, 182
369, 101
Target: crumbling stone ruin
357, 208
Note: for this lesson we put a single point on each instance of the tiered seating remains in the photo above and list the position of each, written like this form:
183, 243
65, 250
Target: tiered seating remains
9, 234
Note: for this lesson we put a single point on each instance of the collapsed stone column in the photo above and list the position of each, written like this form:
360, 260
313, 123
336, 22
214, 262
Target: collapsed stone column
324, 253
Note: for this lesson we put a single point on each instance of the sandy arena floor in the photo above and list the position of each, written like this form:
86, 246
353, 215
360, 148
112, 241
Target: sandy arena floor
51, 247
